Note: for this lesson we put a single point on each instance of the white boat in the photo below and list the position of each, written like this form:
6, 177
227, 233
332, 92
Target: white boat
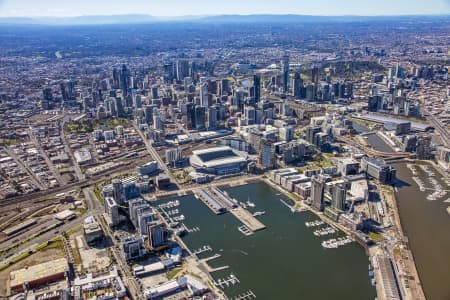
259, 213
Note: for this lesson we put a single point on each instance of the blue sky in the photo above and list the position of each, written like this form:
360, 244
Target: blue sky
13, 8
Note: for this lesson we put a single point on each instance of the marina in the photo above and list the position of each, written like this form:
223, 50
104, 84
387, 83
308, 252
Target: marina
314, 223
227, 282
286, 250
324, 231
202, 250
336, 243
245, 296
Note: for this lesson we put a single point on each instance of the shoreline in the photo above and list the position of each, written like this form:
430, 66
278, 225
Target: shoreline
412, 268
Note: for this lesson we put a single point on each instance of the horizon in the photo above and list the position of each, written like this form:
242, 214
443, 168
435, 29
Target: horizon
224, 15
198, 8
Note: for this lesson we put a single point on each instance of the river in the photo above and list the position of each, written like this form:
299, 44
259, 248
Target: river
427, 225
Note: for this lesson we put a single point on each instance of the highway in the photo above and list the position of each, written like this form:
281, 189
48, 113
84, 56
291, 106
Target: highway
444, 132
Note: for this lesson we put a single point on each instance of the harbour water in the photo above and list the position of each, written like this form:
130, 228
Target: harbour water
427, 224
284, 261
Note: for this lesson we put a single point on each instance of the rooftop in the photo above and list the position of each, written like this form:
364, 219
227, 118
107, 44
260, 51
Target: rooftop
38, 271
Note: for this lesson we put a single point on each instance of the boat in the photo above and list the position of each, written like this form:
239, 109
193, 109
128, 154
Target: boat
259, 213
173, 224
250, 204
180, 231
373, 282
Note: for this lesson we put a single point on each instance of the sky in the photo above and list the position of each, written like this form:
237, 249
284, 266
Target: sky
64, 8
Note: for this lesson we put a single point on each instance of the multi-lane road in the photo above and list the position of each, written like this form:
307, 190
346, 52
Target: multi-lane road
444, 132
155, 155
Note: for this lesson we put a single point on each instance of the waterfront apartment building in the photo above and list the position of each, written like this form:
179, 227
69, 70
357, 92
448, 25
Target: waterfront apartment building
317, 192
378, 169
338, 196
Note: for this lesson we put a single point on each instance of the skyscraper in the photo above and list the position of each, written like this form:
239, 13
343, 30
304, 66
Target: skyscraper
190, 115
315, 75
338, 196
212, 117
297, 86
116, 78
224, 86
285, 63
204, 97
257, 86
169, 72
317, 192
182, 69
200, 117
124, 80
118, 194
157, 122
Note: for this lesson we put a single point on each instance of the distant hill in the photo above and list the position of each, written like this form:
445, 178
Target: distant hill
81, 20
262, 18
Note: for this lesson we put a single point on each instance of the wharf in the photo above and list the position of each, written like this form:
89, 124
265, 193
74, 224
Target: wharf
219, 202
210, 201
212, 270
247, 219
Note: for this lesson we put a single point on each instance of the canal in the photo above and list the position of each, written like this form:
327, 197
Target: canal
284, 261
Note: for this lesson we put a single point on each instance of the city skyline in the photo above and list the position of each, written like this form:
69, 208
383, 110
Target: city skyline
25, 8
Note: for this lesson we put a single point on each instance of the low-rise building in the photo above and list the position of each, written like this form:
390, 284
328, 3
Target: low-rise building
92, 230
38, 275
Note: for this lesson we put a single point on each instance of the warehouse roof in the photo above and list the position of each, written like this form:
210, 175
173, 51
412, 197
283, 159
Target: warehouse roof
39, 271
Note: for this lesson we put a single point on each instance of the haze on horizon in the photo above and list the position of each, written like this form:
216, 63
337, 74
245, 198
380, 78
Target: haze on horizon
175, 8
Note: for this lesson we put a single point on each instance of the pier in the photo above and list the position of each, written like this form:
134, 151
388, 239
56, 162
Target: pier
245, 230
245, 296
217, 255
219, 202
209, 201
202, 249
292, 208
227, 282
247, 219
211, 270
189, 230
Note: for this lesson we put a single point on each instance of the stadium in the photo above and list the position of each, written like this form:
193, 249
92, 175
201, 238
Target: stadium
218, 161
